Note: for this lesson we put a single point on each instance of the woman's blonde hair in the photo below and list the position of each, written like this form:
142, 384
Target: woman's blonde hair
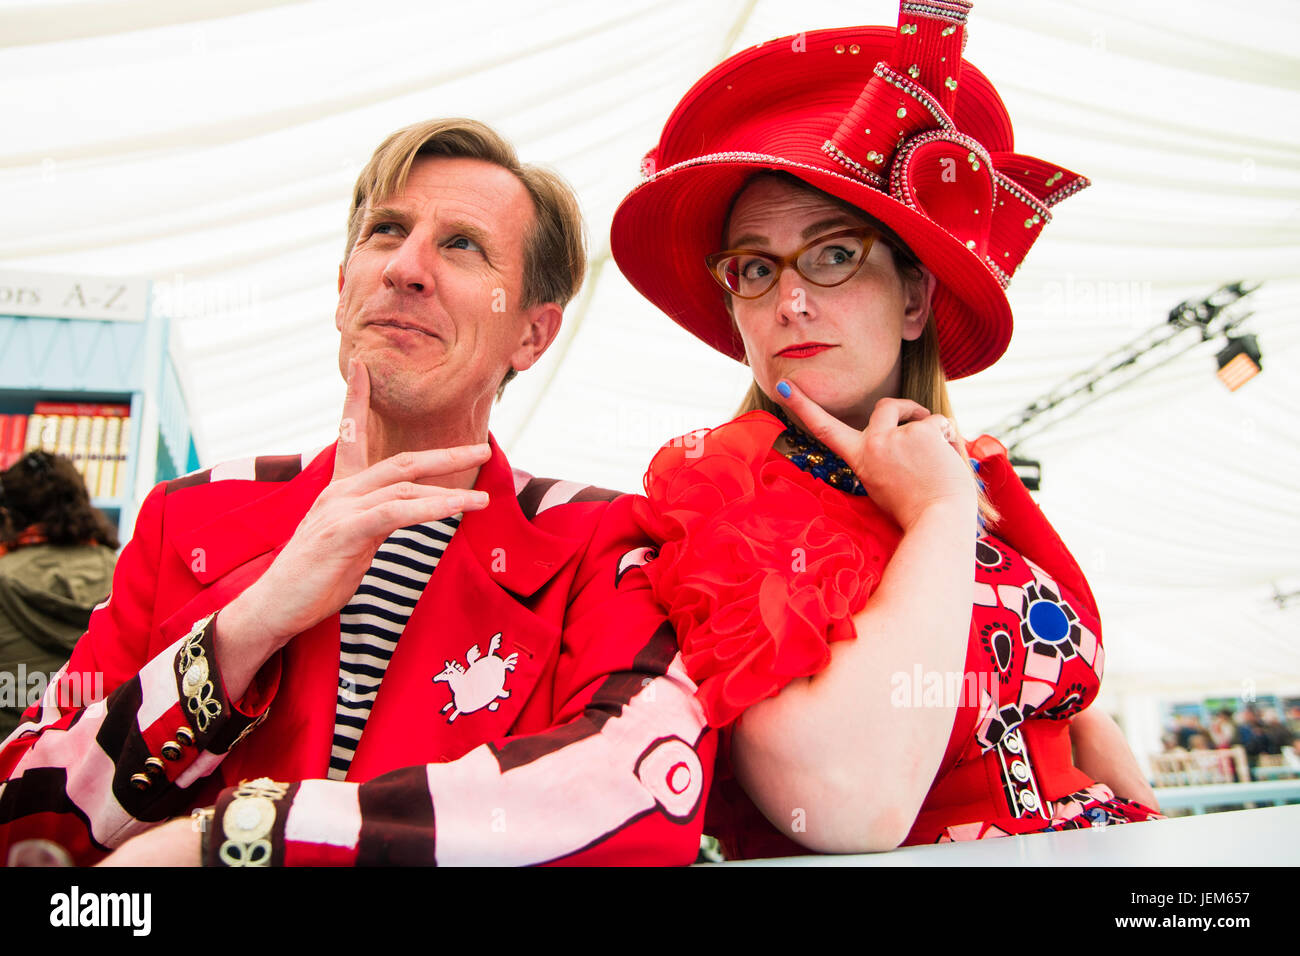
920, 367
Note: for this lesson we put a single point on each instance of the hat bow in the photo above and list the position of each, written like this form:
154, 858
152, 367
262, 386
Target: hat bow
899, 137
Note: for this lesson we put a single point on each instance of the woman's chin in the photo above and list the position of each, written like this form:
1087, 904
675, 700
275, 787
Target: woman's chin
831, 400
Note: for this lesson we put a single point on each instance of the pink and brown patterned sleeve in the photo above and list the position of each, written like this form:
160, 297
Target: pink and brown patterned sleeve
83, 772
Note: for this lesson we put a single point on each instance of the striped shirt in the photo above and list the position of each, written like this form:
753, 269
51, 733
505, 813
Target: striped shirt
371, 623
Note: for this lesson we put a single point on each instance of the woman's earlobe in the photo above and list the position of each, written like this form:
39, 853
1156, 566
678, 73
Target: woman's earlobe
919, 307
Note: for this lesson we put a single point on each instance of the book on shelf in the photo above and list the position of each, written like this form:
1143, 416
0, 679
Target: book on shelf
66, 432
13, 435
80, 443
34, 425
91, 434
95, 455
119, 458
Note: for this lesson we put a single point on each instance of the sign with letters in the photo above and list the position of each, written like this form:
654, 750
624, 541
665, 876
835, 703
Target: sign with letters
73, 296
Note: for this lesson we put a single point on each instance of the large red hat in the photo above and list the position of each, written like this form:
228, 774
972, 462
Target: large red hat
892, 121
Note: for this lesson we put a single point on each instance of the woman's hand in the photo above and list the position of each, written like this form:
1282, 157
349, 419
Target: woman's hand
908, 459
1102, 752
837, 751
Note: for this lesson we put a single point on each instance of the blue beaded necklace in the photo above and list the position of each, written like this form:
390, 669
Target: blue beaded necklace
810, 455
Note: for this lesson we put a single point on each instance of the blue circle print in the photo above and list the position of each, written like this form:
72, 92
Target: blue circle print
1048, 622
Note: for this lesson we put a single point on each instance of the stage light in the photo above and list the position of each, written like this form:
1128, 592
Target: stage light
1239, 361
1029, 472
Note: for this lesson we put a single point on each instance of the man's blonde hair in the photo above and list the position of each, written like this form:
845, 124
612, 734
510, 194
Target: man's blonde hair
555, 248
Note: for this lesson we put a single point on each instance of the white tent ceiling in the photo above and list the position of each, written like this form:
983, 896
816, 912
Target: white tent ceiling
211, 146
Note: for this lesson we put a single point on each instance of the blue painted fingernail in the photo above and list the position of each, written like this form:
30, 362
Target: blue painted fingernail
983, 487
975, 464
783, 388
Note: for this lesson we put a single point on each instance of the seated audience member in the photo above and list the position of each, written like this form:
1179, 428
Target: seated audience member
56, 563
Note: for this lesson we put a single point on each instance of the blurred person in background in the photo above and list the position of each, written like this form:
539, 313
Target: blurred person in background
1222, 730
56, 563
1189, 725
1251, 735
1277, 737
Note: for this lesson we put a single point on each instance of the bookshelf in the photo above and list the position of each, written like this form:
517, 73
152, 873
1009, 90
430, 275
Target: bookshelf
91, 340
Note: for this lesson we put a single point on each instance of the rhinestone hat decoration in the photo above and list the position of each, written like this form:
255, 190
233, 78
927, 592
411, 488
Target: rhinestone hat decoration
899, 137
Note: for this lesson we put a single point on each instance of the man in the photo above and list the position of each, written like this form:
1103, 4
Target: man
400, 651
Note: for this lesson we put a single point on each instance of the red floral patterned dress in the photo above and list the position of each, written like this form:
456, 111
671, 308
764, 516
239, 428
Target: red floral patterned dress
762, 566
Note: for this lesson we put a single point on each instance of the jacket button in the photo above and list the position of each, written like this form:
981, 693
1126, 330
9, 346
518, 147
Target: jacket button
185, 736
153, 766
171, 750
141, 781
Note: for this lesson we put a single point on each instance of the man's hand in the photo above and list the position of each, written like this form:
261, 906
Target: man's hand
322, 565
175, 843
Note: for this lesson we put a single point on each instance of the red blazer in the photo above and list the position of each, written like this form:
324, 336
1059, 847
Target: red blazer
598, 753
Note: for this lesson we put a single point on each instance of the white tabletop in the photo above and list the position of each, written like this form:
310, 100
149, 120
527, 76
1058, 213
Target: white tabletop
1269, 836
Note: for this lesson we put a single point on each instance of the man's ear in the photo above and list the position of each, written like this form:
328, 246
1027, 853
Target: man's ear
916, 309
541, 328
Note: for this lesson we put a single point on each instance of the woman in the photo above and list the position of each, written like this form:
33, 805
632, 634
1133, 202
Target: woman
56, 563
842, 211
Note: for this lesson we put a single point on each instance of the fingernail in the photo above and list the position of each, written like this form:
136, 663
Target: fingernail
975, 464
783, 388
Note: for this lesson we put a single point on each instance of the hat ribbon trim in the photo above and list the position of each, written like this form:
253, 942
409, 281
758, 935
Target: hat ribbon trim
1004, 278
951, 12
745, 157
1066, 191
917, 92
844, 159
1036, 206
901, 189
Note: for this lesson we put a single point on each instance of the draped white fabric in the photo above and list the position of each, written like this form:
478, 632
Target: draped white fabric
211, 146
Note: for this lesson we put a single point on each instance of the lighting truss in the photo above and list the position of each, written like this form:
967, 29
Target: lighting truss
1189, 324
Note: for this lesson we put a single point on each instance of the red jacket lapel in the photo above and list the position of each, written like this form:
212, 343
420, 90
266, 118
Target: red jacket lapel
487, 583
236, 548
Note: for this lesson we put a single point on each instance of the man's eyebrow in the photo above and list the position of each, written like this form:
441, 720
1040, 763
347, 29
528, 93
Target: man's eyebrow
809, 232
377, 213
470, 231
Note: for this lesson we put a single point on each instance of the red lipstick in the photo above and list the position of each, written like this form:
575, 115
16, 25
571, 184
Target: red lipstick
804, 349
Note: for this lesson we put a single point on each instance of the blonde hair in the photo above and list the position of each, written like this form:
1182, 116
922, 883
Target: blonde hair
555, 248
920, 366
